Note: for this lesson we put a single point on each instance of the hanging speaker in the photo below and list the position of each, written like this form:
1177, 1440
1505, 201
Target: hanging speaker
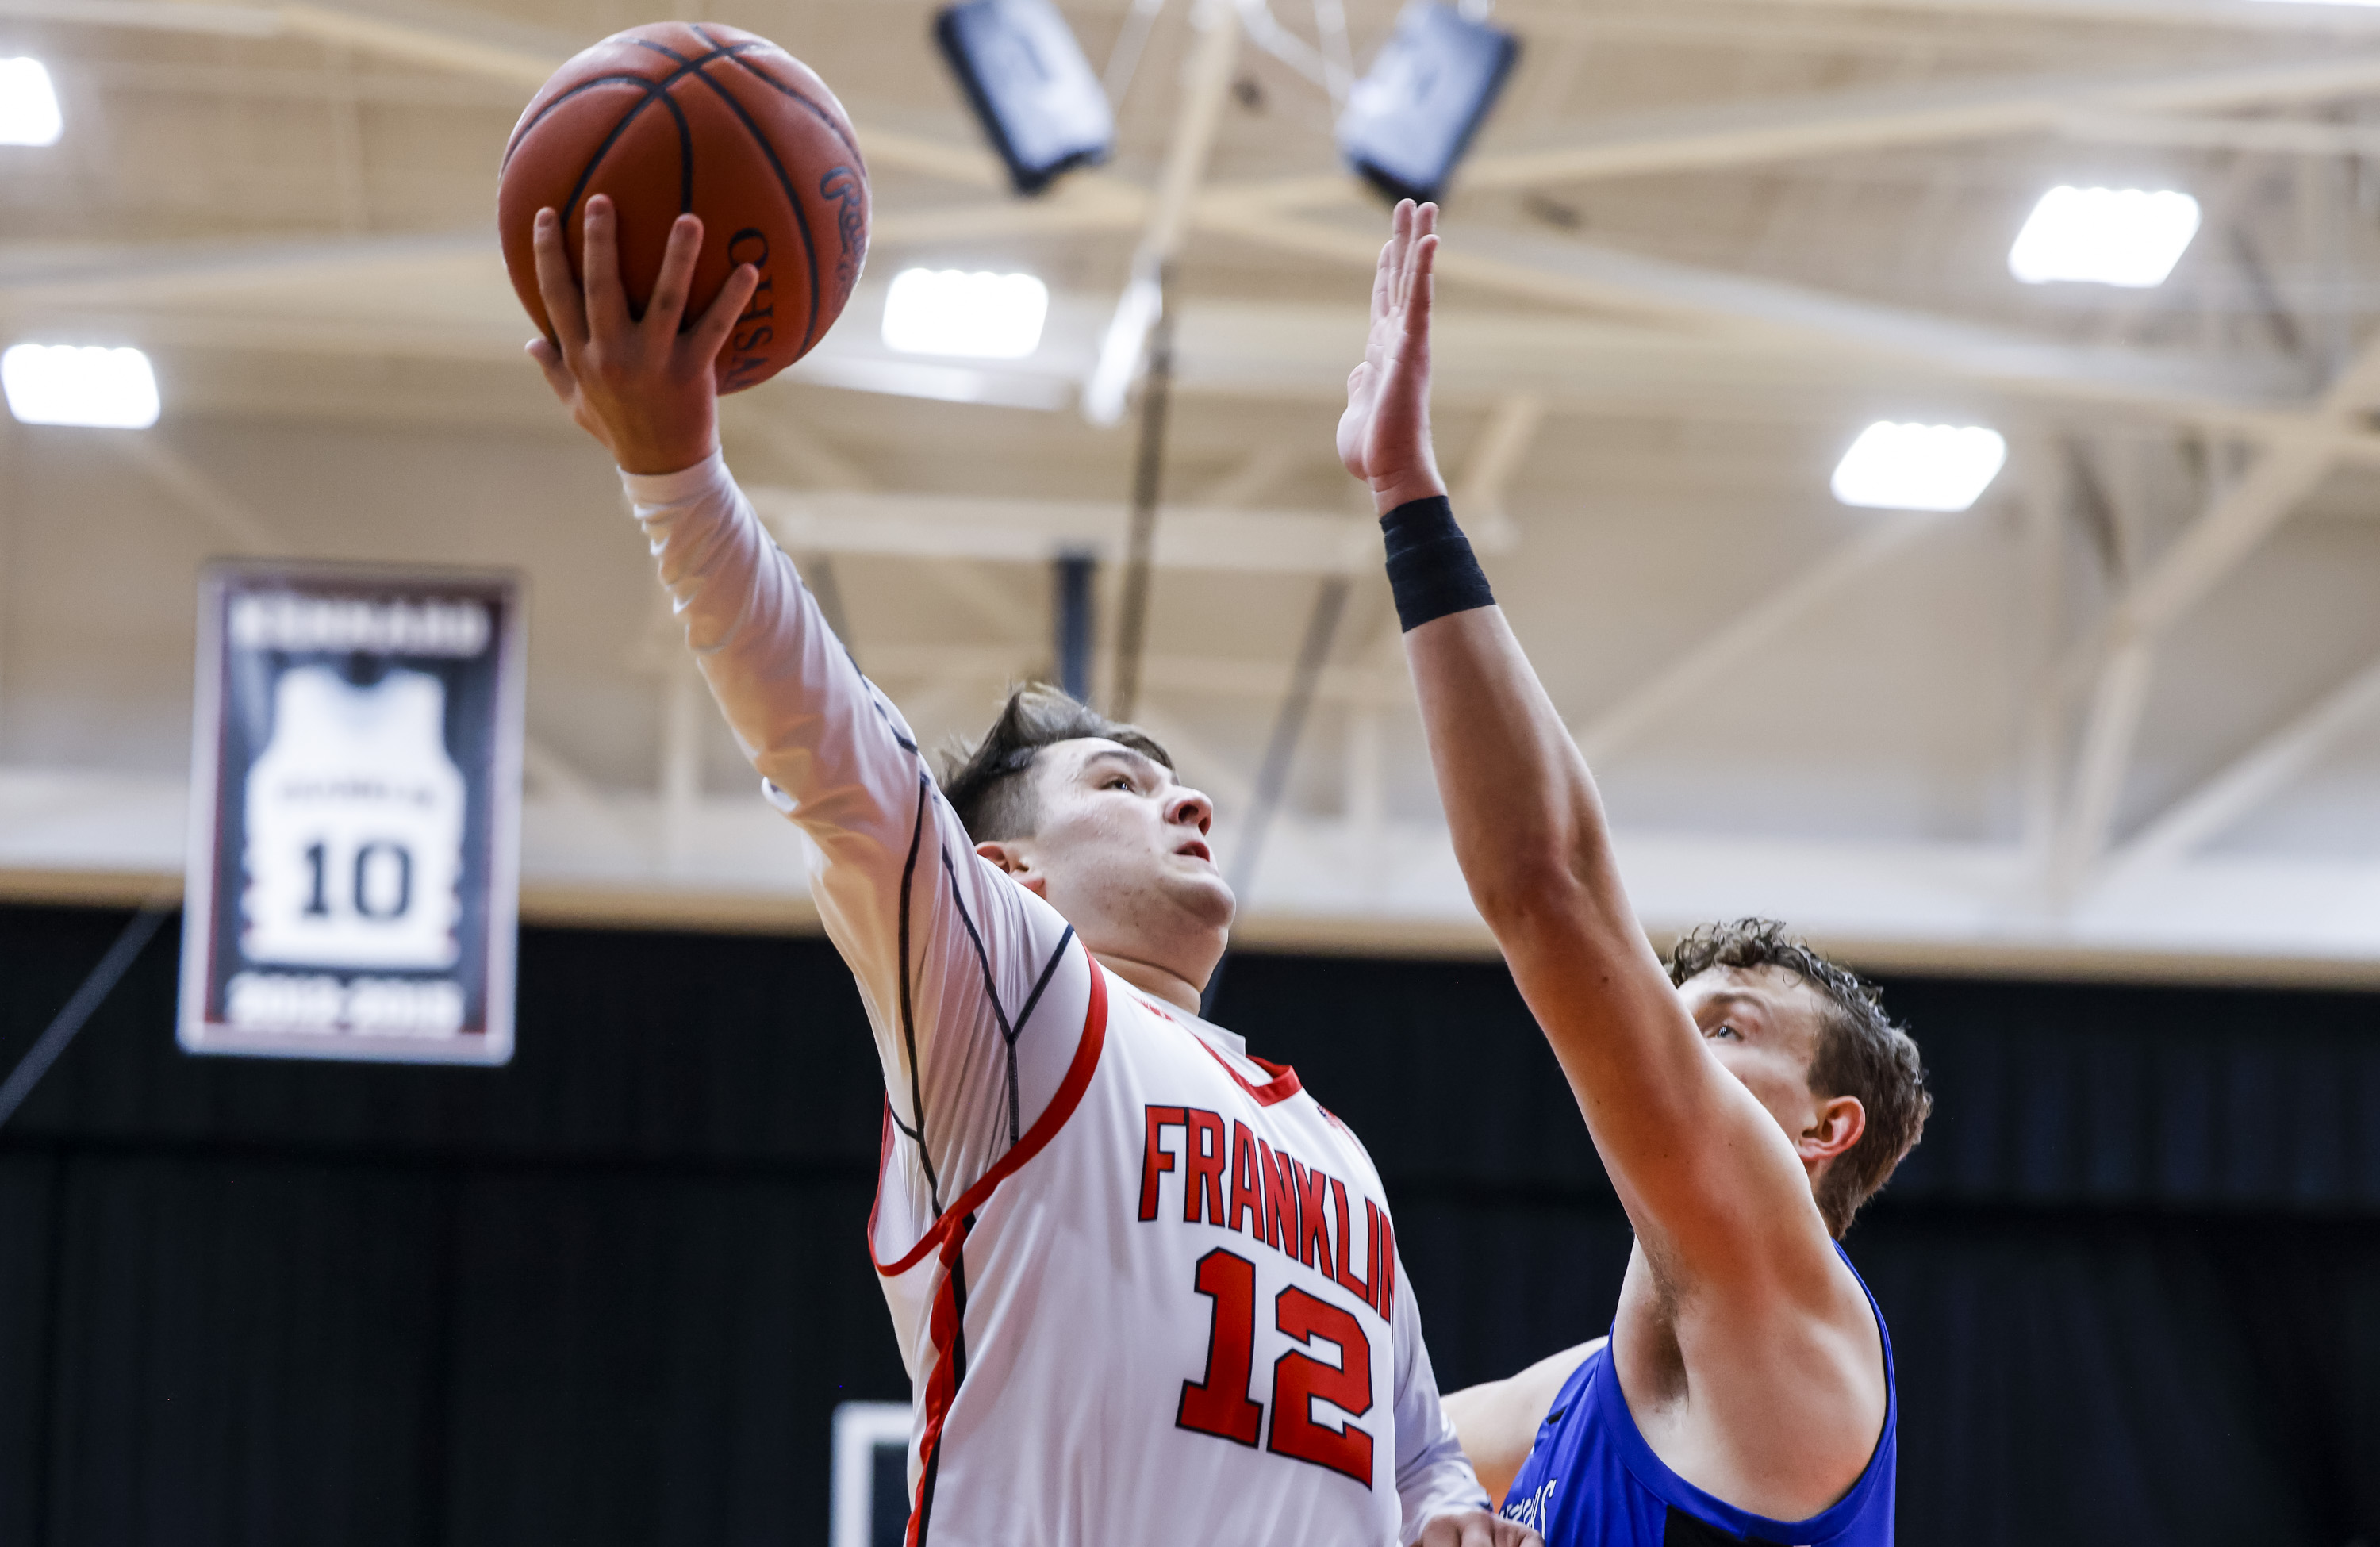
1411, 116
1027, 78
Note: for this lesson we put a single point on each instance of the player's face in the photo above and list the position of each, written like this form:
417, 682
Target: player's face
1762, 1024
1123, 852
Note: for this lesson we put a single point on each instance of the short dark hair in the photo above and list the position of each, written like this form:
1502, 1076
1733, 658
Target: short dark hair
1860, 1053
986, 785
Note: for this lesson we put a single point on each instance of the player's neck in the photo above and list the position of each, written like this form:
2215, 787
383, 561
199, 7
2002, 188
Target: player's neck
1152, 979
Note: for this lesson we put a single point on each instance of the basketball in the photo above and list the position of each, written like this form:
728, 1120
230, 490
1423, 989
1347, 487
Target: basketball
678, 118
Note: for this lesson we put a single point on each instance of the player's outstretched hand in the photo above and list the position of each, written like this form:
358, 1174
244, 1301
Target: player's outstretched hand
1477, 1528
1384, 434
639, 385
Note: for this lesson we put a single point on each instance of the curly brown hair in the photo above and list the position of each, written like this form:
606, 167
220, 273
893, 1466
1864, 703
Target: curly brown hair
1860, 1053
985, 784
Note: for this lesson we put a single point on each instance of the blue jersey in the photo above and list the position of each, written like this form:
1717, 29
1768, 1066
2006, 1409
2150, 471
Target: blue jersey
1592, 1481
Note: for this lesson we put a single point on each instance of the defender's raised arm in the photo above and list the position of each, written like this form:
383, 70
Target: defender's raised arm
1757, 1347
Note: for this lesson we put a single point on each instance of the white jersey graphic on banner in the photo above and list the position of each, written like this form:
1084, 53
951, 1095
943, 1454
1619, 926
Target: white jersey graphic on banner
354, 851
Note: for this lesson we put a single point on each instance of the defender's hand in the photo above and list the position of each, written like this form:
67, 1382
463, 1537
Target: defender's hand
1477, 1528
640, 385
1384, 434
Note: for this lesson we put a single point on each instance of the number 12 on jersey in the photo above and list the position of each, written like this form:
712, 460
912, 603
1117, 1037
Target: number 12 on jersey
1219, 1402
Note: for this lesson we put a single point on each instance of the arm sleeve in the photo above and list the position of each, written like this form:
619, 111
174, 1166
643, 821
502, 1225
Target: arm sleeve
1434, 1477
971, 989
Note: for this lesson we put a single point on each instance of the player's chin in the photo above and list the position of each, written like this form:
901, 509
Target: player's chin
1200, 890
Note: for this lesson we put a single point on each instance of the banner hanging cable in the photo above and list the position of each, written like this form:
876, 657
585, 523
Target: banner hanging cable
88, 998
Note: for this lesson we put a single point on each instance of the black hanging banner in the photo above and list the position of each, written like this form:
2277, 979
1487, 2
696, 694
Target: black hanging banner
355, 788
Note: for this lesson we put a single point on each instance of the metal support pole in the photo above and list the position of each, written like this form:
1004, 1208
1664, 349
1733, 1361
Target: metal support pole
1147, 485
1070, 592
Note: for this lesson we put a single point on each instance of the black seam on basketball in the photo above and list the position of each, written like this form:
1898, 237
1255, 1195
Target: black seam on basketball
522, 131
684, 157
587, 173
735, 57
653, 88
662, 89
662, 49
792, 197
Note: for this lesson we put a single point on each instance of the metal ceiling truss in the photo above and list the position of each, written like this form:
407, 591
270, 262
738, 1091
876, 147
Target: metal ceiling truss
2072, 884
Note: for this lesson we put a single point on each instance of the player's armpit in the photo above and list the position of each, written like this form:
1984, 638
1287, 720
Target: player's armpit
1498, 1421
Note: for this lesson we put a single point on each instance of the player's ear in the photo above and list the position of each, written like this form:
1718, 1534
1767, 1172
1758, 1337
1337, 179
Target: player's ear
1838, 1123
1011, 859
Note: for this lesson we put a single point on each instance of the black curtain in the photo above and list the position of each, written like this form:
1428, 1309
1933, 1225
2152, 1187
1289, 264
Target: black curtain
611, 1293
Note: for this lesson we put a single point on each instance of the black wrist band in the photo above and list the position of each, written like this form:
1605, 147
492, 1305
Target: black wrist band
1431, 570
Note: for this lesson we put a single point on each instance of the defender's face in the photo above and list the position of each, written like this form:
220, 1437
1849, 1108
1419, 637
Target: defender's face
1122, 847
1762, 1024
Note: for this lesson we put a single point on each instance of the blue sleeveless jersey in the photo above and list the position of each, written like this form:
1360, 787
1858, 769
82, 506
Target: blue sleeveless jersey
1593, 1481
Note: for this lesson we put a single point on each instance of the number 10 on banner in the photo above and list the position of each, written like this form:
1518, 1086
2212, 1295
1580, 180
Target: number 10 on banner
356, 799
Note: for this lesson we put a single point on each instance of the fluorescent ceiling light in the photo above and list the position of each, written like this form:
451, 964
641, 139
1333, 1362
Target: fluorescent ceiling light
29, 108
2105, 235
1919, 467
979, 316
58, 383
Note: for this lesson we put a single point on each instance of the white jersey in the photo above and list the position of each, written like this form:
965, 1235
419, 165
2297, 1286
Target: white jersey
354, 853
1146, 1288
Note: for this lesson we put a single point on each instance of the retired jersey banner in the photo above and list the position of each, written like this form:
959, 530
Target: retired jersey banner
355, 814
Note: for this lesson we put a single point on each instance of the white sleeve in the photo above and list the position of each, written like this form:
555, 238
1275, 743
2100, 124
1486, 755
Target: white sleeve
972, 984
1434, 1477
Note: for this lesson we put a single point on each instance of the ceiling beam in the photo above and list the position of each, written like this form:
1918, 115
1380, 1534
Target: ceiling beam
1736, 134
2251, 16
1617, 729
146, 271
459, 42
1696, 327
2256, 776
1033, 532
2272, 136
1176, 675
1494, 461
2285, 472
158, 15
1582, 274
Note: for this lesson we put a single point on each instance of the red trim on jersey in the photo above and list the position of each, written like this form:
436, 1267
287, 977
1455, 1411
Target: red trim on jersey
1045, 1128
949, 1231
1280, 1087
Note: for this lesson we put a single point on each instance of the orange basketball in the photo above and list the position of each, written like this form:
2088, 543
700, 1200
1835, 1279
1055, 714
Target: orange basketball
694, 117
